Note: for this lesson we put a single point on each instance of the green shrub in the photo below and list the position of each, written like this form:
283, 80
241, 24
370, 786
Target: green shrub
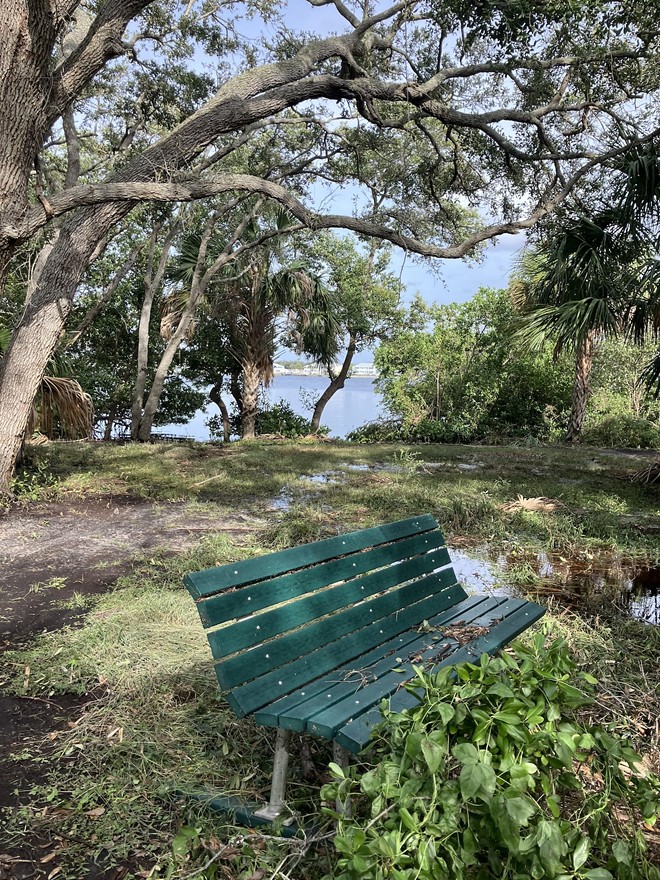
623, 431
277, 419
495, 775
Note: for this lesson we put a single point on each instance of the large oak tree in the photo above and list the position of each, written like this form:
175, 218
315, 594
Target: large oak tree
436, 109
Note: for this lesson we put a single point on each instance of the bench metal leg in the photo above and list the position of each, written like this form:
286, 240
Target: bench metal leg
341, 756
277, 801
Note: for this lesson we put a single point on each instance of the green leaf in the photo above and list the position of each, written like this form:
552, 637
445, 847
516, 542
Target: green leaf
336, 770
413, 744
621, 852
408, 820
507, 718
445, 711
581, 853
598, 874
433, 754
520, 809
499, 689
466, 753
471, 780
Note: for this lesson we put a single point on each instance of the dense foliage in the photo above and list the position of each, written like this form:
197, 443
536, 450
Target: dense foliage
496, 775
458, 374
279, 418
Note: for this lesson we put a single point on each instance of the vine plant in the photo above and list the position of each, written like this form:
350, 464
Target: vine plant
497, 774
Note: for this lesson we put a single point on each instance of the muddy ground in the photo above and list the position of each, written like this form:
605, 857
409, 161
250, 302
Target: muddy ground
53, 556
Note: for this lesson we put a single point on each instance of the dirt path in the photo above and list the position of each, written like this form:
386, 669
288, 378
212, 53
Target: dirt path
52, 557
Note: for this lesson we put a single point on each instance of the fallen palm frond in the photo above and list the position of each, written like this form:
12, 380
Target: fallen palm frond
541, 504
62, 408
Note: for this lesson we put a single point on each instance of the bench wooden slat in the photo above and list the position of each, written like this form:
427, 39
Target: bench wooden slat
212, 580
284, 588
288, 647
269, 624
288, 711
337, 689
257, 693
355, 735
327, 722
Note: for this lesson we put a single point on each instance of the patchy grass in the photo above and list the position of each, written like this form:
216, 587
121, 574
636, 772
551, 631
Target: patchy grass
464, 487
155, 724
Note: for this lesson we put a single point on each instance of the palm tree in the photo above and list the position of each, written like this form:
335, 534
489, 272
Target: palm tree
268, 306
598, 276
262, 304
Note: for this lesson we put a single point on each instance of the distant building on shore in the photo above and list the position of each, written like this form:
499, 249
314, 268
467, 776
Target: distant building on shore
368, 371
358, 371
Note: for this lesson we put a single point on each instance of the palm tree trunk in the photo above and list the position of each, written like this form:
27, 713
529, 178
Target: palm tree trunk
336, 384
583, 363
251, 380
215, 396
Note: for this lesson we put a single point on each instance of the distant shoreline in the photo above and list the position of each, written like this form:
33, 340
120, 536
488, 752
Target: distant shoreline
319, 375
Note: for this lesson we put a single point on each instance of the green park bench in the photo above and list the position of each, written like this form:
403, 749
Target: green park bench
313, 638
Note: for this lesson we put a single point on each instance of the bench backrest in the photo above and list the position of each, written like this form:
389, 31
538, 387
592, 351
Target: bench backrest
279, 621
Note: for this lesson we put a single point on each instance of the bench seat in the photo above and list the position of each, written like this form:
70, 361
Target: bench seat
313, 638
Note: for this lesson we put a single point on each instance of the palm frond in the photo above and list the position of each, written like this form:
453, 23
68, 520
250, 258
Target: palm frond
170, 315
568, 323
62, 407
650, 375
640, 183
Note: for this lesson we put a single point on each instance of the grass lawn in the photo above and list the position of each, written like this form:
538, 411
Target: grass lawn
150, 722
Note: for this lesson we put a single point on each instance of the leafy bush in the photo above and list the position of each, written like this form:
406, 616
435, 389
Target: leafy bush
459, 374
277, 419
494, 775
623, 431
34, 479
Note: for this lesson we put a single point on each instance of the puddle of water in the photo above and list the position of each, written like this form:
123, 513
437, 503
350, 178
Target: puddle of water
283, 501
476, 575
604, 580
323, 479
612, 581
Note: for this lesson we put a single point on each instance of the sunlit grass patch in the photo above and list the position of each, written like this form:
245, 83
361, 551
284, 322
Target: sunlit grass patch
153, 726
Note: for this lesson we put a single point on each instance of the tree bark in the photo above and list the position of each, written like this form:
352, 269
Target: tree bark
216, 397
336, 384
251, 381
28, 35
152, 281
112, 414
583, 363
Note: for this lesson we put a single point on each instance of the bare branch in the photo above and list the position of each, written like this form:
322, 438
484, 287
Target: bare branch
343, 10
106, 296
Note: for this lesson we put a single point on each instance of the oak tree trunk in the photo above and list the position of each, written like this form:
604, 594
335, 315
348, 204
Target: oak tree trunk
583, 363
336, 384
216, 397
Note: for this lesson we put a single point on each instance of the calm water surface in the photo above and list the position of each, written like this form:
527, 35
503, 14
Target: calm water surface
351, 407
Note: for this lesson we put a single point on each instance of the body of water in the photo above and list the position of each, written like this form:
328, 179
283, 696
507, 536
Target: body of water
355, 404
